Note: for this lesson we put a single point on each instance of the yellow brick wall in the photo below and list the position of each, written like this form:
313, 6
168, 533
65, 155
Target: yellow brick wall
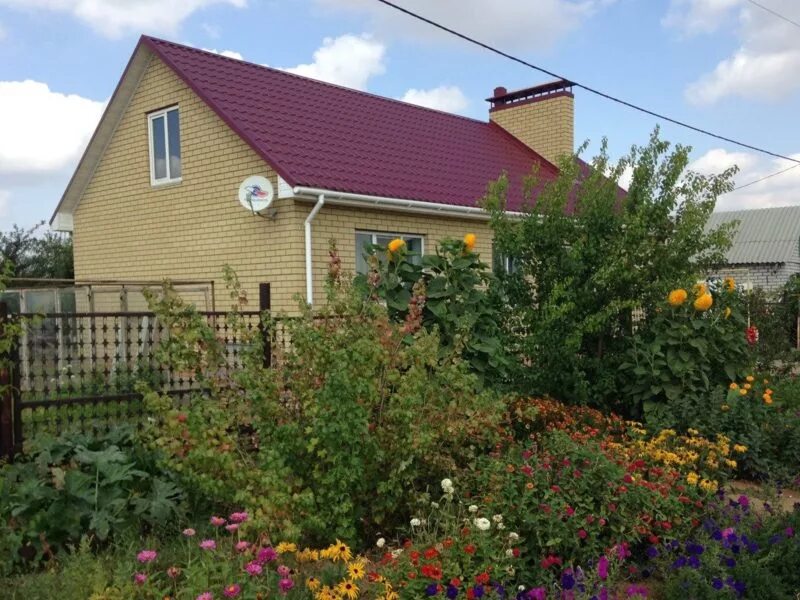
547, 126
125, 229
341, 223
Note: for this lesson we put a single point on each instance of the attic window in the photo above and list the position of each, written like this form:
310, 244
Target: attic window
165, 146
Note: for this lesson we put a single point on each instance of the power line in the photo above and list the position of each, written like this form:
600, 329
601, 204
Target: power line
759, 180
774, 12
584, 87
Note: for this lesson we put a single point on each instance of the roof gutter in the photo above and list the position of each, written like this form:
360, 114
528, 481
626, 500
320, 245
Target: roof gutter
309, 271
413, 206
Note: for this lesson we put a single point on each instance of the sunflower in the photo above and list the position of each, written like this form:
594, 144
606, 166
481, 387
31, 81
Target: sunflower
677, 297
469, 241
703, 302
347, 589
395, 245
730, 284
357, 569
285, 547
313, 583
337, 551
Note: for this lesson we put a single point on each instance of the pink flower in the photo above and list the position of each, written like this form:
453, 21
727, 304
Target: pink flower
239, 517
173, 572
602, 568
582, 534
242, 546
206, 596
232, 590
208, 545
253, 569
266, 555
217, 521
283, 571
139, 578
285, 585
232, 527
189, 532
146, 556
789, 532
726, 533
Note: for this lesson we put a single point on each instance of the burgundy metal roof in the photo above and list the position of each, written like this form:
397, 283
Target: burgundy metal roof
321, 135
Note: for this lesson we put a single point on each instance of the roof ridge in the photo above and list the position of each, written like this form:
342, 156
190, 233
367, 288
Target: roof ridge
750, 210
248, 63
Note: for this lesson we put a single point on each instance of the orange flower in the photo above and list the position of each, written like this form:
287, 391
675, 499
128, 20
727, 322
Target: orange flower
699, 289
767, 399
396, 244
677, 297
703, 302
727, 311
469, 241
730, 284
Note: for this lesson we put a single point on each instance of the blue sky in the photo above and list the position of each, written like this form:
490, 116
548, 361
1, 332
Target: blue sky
725, 65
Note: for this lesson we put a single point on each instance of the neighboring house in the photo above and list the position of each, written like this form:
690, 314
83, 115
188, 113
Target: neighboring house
766, 246
156, 194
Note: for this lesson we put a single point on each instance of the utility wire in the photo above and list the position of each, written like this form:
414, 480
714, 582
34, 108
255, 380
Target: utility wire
774, 12
759, 180
584, 87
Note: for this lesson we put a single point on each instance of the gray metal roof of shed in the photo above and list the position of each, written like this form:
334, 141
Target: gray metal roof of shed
764, 235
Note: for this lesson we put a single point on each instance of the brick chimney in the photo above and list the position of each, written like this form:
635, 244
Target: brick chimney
541, 117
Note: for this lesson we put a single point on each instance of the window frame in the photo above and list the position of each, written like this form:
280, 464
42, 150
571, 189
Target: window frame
151, 116
391, 234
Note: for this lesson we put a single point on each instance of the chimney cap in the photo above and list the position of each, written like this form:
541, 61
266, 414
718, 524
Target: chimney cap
503, 97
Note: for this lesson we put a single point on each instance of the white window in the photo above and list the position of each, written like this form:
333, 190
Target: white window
165, 146
414, 245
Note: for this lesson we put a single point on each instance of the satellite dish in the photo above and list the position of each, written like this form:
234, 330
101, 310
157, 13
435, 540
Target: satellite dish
256, 193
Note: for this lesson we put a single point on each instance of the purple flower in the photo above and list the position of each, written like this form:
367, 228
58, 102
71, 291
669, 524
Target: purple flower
266, 555
694, 561
146, 556
538, 594
716, 583
208, 545
567, 580
285, 584
140, 578
217, 521
451, 592
652, 552
636, 590
232, 590
744, 501
239, 517
602, 568
283, 571
789, 531
432, 589
253, 569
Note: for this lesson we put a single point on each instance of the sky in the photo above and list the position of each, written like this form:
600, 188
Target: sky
724, 65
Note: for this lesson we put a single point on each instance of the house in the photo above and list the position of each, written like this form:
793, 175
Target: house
161, 189
766, 246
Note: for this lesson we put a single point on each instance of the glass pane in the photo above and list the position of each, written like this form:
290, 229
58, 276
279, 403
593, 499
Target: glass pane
174, 132
67, 300
384, 239
40, 301
414, 245
159, 149
362, 240
12, 301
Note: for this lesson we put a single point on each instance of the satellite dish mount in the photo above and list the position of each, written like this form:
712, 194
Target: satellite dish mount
256, 194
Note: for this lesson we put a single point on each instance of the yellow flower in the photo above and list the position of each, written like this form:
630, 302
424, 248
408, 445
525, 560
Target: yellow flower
699, 289
469, 241
313, 583
767, 399
730, 463
337, 551
327, 593
357, 569
750, 378
677, 297
692, 478
727, 311
347, 589
396, 244
725, 408
703, 302
747, 386
743, 392
766, 381
307, 555
285, 547
708, 485
739, 449
730, 284
734, 385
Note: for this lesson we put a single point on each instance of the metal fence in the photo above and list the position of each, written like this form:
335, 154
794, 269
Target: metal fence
78, 371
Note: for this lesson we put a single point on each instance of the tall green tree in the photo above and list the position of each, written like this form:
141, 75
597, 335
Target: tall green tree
587, 256
32, 253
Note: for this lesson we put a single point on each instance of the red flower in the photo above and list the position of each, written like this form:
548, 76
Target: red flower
751, 333
612, 507
448, 543
469, 549
431, 553
515, 552
431, 571
549, 561
414, 557
569, 510
482, 579
555, 488
627, 478
455, 582
411, 575
582, 534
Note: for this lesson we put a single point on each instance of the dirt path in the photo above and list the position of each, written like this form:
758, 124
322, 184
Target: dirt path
758, 494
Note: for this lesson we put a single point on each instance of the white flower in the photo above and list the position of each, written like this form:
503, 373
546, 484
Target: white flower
510, 553
497, 518
482, 524
415, 522
434, 505
513, 536
473, 508
501, 525
447, 486
397, 553
510, 571
380, 543
521, 588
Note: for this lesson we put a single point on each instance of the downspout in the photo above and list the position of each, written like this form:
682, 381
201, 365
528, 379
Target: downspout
309, 272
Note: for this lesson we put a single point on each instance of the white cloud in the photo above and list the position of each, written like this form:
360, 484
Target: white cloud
114, 18
781, 190
510, 24
766, 65
347, 60
43, 131
448, 98
5, 203
228, 53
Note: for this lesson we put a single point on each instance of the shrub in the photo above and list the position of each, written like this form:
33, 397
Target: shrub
78, 486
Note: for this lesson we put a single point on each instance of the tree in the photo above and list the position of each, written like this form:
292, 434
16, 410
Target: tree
587, 255
45, 256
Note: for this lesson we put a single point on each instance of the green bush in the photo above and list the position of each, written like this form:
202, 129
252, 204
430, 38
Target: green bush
78, 486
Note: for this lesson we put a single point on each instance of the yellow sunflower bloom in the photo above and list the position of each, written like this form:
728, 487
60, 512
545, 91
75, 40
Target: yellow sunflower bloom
739, 449
703, 302
357, 569
313, 583
396, 244
692, 478
347, 589
734, 385
730, 284
286, 548
469, 241
677, 297
337, 551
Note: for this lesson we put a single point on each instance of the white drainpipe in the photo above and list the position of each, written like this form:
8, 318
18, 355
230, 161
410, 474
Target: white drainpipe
309, 271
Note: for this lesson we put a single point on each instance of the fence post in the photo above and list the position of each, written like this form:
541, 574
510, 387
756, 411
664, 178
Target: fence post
265, 304
6, 394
